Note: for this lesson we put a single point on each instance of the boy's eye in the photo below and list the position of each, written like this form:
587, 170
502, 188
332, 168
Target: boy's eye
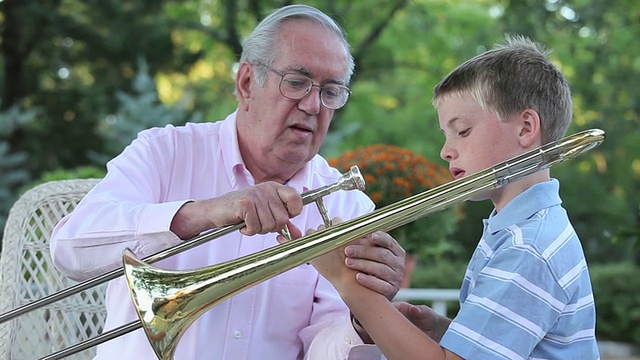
464, 132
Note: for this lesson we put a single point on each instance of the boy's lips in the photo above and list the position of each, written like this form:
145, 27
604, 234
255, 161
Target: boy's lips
457, 172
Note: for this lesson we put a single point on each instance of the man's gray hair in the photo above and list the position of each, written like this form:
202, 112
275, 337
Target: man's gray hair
262, 45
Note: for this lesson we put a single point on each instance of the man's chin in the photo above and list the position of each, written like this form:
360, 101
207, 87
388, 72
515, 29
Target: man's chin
299, 154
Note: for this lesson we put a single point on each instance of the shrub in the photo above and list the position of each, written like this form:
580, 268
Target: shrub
392, 174
616, 288
439, 275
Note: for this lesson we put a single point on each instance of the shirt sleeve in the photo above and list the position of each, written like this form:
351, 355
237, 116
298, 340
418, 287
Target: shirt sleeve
124, 210
514, 302
341, 341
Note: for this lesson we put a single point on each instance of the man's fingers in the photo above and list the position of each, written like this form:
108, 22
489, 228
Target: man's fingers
291, 200
375, 283
385, 240
267, 207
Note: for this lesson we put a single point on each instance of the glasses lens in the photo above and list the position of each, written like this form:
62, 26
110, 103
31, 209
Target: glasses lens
295, 86
334, 96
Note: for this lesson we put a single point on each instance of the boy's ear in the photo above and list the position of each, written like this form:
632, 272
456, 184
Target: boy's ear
530, 132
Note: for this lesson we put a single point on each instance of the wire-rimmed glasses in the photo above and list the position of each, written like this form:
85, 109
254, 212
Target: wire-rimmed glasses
296, 86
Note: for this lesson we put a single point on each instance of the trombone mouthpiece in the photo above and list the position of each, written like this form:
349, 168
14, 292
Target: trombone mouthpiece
352, 180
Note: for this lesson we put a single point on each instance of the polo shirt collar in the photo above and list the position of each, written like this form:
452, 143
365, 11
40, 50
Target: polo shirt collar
538, 197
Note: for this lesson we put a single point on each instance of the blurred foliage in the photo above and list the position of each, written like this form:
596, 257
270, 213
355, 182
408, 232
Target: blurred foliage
616, 288
142, 109
12, 163
439, 275
82, 172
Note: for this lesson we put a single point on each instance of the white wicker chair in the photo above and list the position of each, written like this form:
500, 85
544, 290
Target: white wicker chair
27, 274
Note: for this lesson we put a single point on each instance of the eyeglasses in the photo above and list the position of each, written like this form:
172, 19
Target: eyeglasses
296, 86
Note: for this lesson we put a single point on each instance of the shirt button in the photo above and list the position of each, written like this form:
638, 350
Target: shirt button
347, 340
237, 334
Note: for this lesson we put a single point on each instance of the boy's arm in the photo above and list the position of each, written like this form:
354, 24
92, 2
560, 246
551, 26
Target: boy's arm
391, 331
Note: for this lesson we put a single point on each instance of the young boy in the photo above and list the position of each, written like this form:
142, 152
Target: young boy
526, 293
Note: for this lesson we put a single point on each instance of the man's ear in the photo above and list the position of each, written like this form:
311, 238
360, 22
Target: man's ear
530, 129
244, 78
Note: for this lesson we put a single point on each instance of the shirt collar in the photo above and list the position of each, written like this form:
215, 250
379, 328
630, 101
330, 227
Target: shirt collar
525, 205
231, 158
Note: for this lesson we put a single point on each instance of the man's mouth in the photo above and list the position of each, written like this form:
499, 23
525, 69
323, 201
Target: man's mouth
301, 128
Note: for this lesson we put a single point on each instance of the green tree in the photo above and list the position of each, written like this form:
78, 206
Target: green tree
71, 58
12, 172
136, 112
598, 60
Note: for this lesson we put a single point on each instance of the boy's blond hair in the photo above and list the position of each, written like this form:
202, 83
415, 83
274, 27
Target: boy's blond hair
513, 76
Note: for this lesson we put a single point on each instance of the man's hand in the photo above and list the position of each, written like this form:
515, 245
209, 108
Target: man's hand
375, 261
263, 208
379, 260
425, 319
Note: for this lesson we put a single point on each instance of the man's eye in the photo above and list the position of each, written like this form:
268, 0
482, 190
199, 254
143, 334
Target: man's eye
464, 132
297, 83
331, 91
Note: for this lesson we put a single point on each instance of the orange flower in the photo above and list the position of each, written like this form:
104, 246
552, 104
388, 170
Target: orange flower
391, 174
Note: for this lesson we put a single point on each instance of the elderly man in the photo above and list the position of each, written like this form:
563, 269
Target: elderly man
173, 183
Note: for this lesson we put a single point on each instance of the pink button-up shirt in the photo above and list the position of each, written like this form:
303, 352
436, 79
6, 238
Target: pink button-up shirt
132, 207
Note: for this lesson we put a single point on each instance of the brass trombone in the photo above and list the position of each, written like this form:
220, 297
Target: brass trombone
165, 313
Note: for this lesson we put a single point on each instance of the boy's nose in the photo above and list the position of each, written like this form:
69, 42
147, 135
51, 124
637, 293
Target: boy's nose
447, 153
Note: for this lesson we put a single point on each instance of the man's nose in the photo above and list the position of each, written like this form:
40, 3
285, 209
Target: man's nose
311, 102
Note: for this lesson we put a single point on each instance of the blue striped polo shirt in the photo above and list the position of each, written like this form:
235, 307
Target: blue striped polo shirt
526, 293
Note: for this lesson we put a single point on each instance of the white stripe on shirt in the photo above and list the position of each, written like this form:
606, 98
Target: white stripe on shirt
507, 314
483, 341
524, 284
557, 244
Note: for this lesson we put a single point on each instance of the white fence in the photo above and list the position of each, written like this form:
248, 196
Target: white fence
437, 297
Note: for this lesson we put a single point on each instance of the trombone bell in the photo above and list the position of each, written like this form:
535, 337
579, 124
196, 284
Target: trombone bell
166, 301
